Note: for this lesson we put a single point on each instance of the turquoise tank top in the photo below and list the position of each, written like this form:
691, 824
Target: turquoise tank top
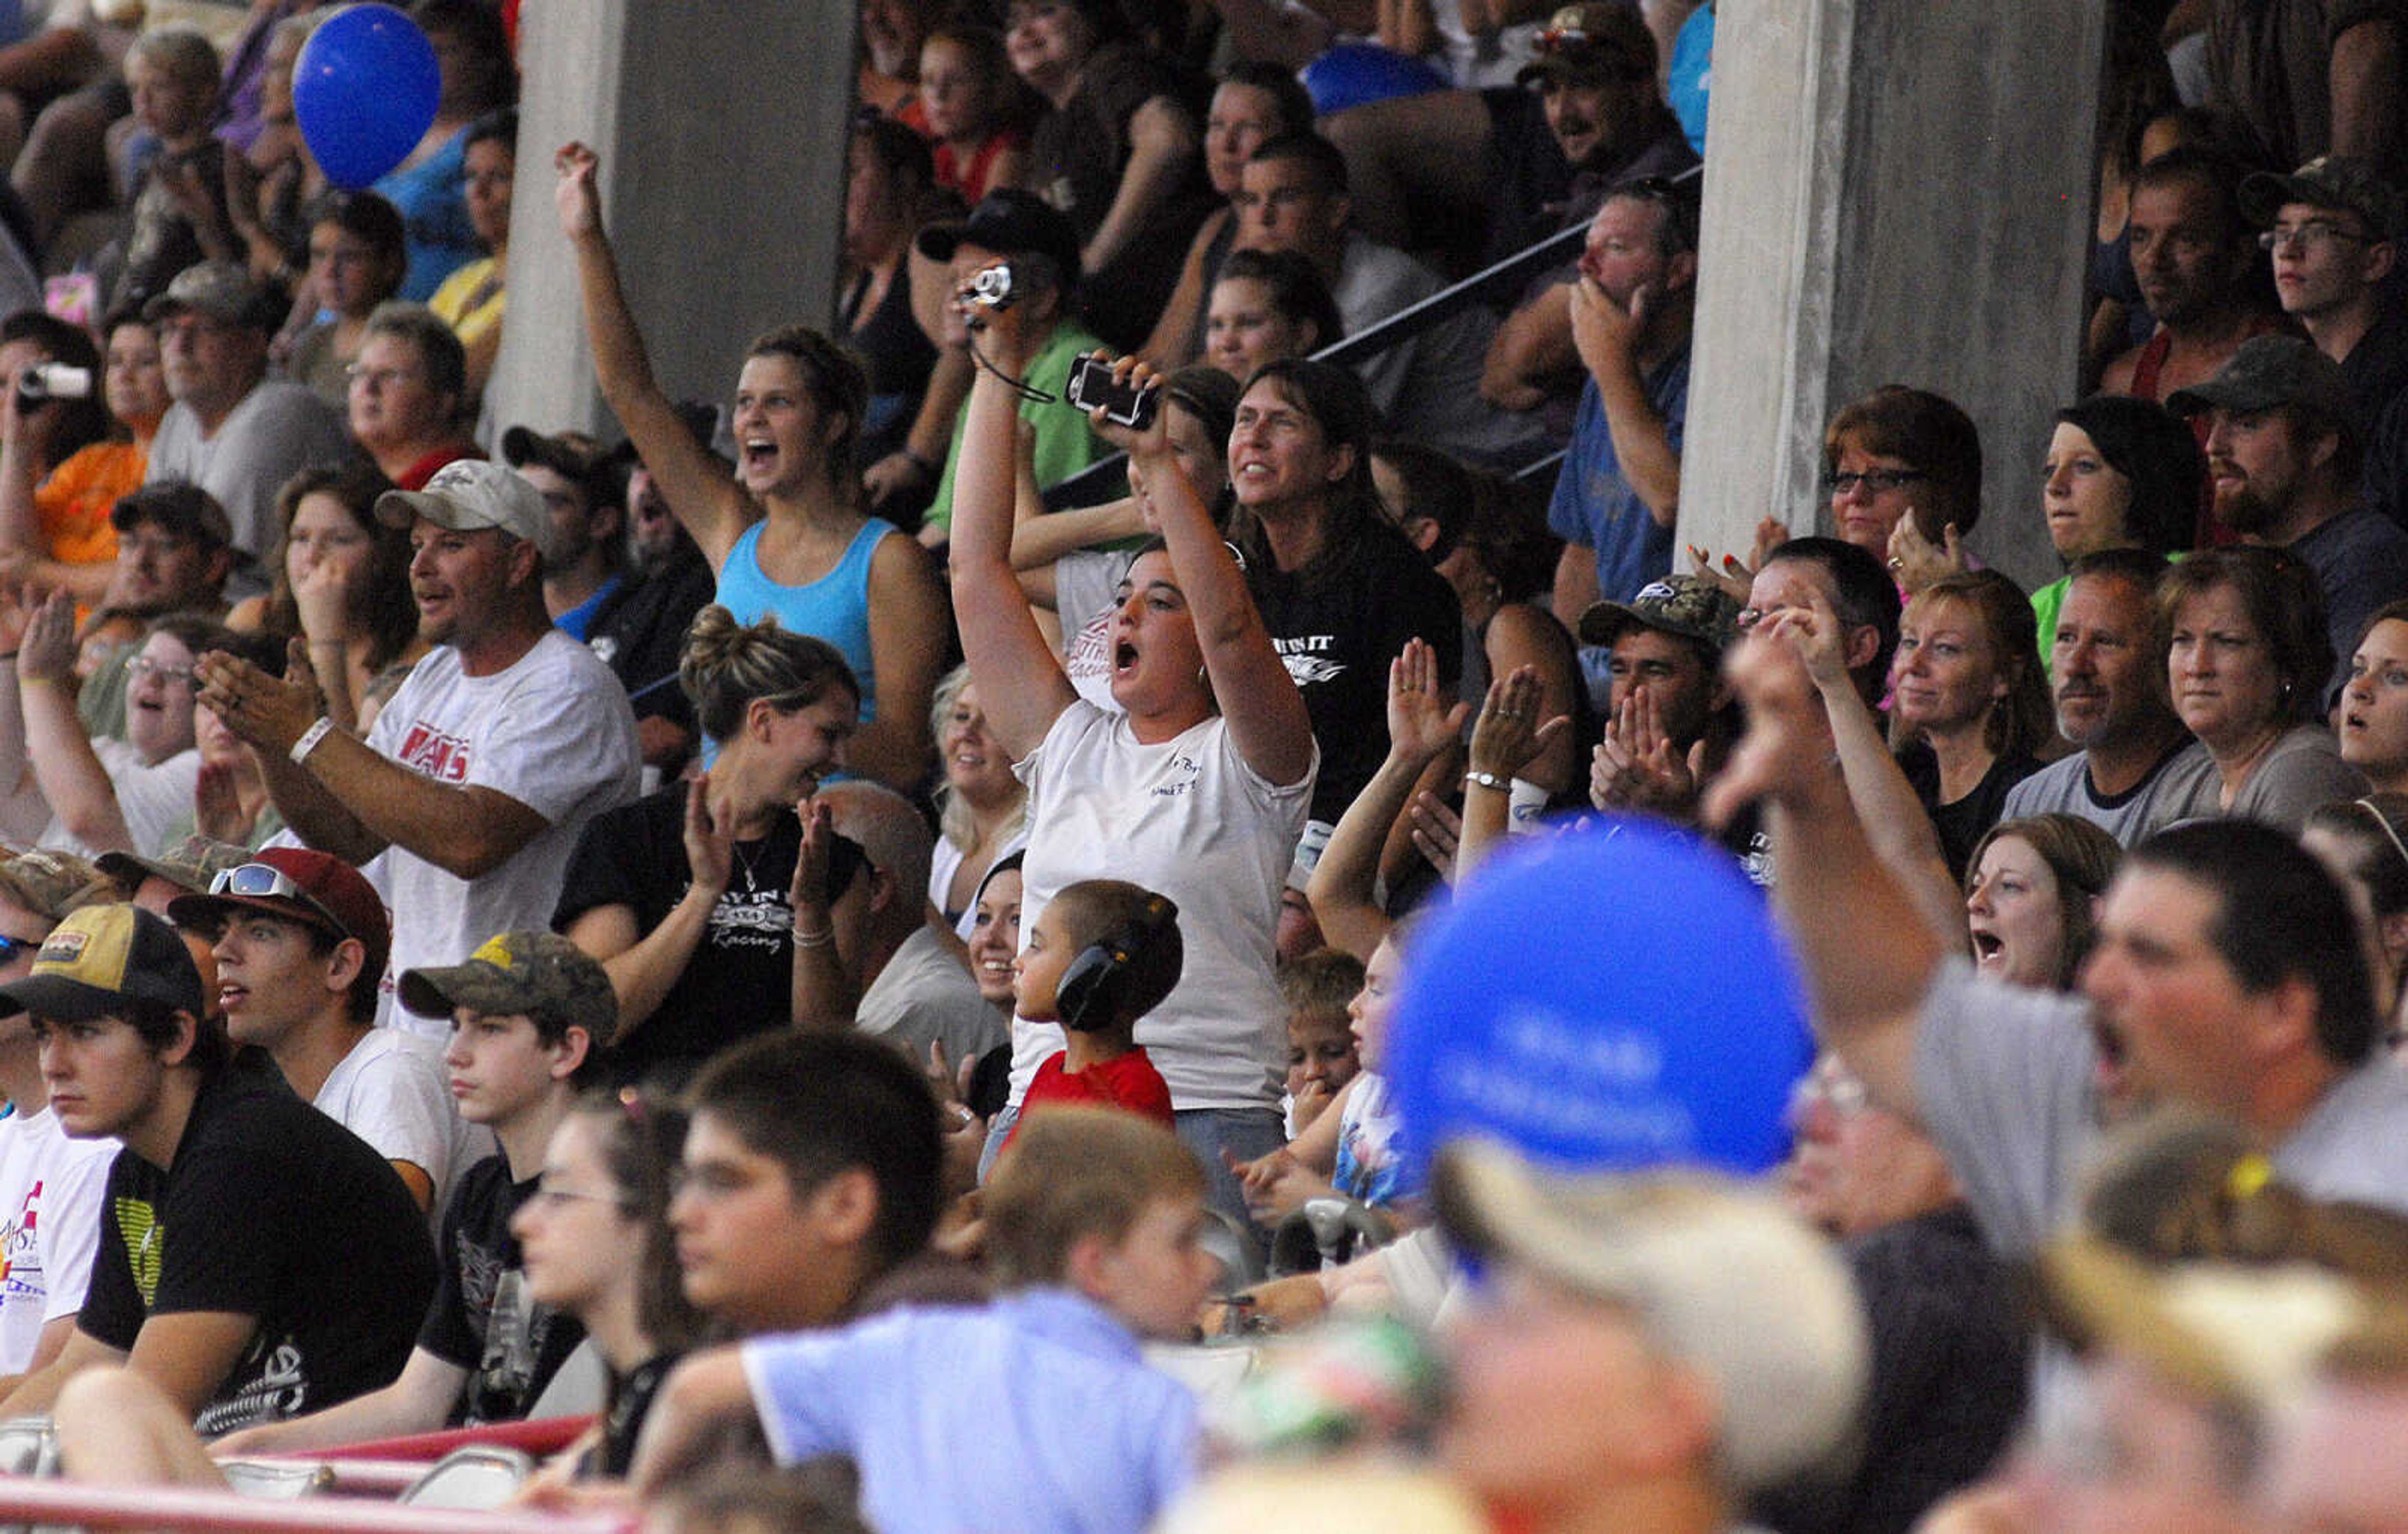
835, 607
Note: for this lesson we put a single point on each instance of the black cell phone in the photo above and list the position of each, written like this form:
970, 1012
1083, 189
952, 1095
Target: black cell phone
1091, 385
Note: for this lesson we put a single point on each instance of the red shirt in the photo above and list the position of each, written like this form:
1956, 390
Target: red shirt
1129, 1081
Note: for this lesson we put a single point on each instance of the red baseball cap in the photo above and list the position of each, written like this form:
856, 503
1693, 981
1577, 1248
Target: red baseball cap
301, 885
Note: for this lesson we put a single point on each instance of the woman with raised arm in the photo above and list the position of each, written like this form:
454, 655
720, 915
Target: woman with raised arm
1197, 791
785, 535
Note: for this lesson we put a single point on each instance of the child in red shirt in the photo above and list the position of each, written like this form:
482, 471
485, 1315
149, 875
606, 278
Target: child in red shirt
1102, 955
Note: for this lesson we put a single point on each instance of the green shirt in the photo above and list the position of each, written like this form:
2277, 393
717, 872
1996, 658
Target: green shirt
1064, 444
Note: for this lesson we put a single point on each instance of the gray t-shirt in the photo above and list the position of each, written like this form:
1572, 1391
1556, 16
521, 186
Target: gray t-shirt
279, 430
2298, 773
2007, 1082
925, 995
2063, 788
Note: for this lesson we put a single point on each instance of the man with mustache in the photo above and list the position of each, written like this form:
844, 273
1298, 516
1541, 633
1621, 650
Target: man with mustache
2134, 765
2282, 458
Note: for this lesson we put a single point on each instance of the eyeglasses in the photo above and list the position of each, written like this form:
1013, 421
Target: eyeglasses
143, 666
1873, 480
262, 880
2311, 236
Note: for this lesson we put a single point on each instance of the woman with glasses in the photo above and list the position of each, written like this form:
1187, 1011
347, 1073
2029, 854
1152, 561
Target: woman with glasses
2247, 662
1900, 456
111, 794
594, 1243
407, 388
727, 906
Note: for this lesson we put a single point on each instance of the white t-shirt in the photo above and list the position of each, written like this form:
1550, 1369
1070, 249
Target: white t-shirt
1189, 819
152, 798
553, 732
392, 1091
50, 1189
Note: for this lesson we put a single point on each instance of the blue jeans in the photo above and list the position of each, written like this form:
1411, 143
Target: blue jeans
1244, 1133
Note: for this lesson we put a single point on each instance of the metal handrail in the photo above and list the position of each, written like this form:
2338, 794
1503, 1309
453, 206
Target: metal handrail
1509, 274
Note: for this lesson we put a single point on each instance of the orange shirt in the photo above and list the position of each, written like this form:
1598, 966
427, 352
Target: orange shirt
74, 502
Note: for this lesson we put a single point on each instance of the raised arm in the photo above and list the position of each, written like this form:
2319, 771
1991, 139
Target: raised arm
1344, 889
1608, 338
1020, 681
697, 487
907, 652
1867, 954
1173, 342
64, 764
1507, 736
1265, 713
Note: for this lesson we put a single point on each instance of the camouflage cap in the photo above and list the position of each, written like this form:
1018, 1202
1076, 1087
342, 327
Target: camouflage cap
2330, 180
539, 974
223, 290
1686, 604
189, 864
1592, 41
51, 884
2272, 371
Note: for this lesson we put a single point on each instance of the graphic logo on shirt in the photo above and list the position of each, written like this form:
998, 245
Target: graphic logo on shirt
751, 918
270, 1385
146, 1242
605, 647
442, 757
20, 1258
1306, 659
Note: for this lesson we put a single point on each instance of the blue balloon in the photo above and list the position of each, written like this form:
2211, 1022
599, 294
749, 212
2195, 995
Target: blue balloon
1610, 1000
365, 89
1354, 74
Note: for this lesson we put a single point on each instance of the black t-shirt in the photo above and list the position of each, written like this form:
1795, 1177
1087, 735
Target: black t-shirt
1076, 158
741, 979
639, 632
1337, 623
481, 1320
273, 1211
1963, 824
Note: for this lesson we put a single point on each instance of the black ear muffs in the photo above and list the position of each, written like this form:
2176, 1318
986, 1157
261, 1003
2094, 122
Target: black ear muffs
1095, 985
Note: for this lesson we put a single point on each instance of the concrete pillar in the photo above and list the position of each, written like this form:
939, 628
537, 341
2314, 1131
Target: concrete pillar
1897, 192
722, 128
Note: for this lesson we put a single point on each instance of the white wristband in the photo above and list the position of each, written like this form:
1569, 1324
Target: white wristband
309, 739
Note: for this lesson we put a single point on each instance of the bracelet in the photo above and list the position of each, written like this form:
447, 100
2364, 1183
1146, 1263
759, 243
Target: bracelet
1490, 779
821, 938
311, 737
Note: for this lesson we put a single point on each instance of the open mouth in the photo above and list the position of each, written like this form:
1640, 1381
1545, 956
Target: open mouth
232, 997
1124, 656
1989, 949
759, 457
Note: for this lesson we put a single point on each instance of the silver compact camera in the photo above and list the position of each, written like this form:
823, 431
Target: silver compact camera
992, 288
48, 380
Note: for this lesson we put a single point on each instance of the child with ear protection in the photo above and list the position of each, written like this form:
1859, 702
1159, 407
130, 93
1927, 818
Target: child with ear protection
1101, 956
